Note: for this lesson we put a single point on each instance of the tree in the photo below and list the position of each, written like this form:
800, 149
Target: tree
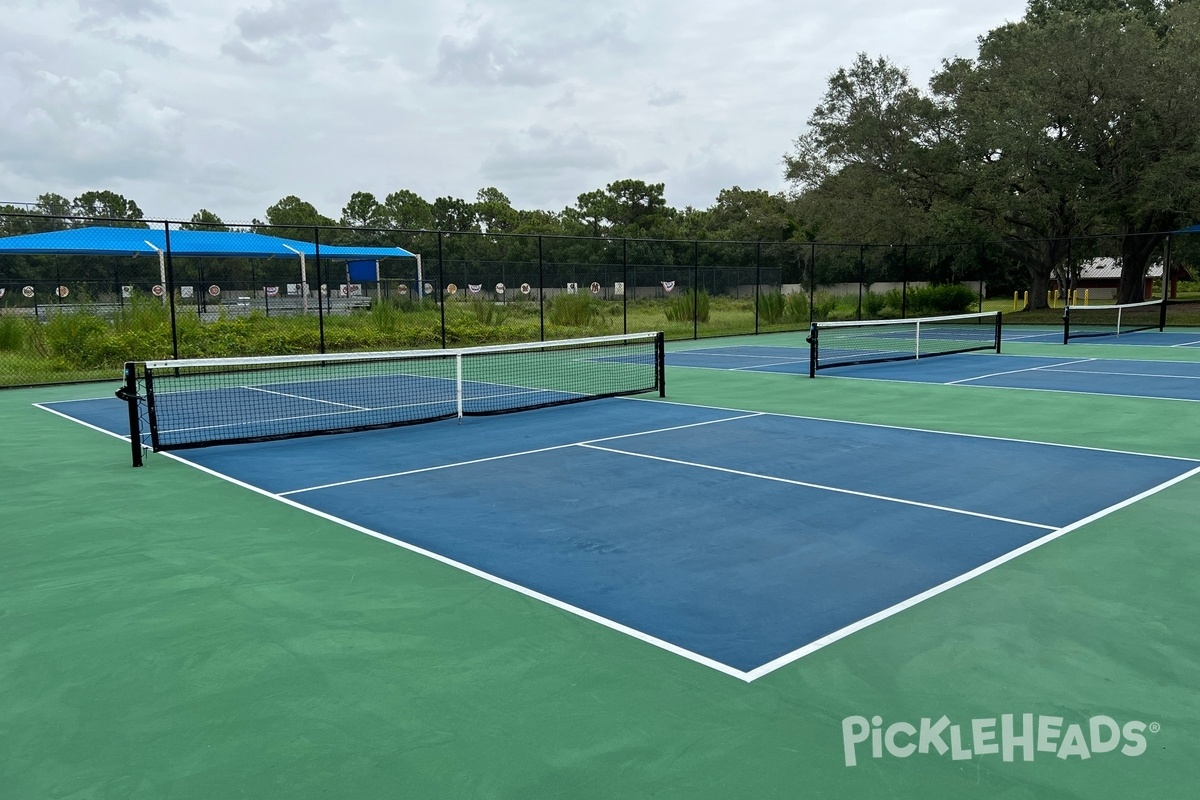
293, 218
407, 210
873, 164
494, 212
204, 220
53, 205
626, 207
1082, 118
109, 206
363, 211
454, 214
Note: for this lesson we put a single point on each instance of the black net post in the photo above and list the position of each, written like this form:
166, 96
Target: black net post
660, 359
128, 393
812, 349
999, 328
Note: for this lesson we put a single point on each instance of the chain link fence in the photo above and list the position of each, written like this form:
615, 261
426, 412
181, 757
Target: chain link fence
75, 309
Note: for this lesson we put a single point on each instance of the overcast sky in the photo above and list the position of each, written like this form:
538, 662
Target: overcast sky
231, 106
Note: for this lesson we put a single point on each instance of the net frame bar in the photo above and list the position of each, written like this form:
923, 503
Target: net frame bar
814, 338
1120, 308
143, 372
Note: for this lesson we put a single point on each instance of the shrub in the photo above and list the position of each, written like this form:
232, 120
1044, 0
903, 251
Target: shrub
771, 307
572, 310
873, 304
825, 306
951, 298
688, 307
12, 333
797, 309
487, 312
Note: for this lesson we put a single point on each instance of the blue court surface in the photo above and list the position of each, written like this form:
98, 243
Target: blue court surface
1074, 372
1152, 338
740, 540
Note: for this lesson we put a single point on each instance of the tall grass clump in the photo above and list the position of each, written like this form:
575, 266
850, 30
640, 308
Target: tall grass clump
689, 307
12, 333
771, 306
488, 313
572, 310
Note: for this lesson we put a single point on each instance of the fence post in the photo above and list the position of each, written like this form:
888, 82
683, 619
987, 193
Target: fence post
695, 289
979, 266
904, 284
625, 283
170, 287
321, 287
541, 293
441, 287
862, 266
812, 278
758, 280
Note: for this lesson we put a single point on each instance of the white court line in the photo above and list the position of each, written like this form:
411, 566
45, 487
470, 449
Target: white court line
1030, 389
787, 363
746, 676
1017, 371
1131, 374
806, 484
1185, 344
516, 587
78, 421
923, 430
878, 616
514, 455
302, 397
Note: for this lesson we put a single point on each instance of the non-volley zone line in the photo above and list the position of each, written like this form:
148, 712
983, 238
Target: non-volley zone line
724, 571
503, 456
716, 565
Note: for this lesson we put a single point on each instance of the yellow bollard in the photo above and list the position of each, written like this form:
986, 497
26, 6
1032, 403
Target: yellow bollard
1015, 294
1027, 299
1086, 299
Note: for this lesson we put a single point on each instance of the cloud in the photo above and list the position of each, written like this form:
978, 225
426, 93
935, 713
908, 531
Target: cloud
488, 54
665, 97
93, 129
285, 30
489, 58
102, 11
540, 153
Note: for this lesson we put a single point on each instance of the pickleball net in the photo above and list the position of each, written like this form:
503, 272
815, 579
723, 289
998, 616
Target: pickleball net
1112, 320
840, 344
186, 403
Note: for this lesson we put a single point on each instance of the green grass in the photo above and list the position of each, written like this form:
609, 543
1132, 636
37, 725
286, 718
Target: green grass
88, 345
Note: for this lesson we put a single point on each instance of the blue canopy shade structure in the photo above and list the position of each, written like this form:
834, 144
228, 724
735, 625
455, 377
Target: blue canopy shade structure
104, 241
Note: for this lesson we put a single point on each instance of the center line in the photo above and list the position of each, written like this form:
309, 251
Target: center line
836, 489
